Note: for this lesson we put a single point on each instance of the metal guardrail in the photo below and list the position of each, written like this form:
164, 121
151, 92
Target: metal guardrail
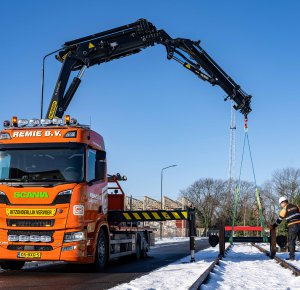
147, 215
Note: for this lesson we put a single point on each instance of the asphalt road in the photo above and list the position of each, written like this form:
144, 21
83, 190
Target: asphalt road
66, 276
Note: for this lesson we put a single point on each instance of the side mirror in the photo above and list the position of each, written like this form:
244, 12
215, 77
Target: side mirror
100, 171
101, 155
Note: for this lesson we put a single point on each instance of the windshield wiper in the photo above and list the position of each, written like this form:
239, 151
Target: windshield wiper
48, 179
28, 180
12, 179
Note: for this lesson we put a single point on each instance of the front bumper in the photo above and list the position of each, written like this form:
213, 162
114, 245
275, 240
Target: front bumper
68, 252
53, 225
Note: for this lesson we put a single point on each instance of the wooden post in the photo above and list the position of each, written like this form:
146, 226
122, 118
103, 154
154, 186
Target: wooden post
273, 242
222, 240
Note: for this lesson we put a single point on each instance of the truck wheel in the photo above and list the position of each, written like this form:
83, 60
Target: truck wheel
101, 251
138, 250
12, 265
140, 253
143, 254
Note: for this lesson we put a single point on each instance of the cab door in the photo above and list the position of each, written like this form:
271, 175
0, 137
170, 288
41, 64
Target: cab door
96, 203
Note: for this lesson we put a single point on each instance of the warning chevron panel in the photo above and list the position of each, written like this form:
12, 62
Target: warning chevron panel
149, 215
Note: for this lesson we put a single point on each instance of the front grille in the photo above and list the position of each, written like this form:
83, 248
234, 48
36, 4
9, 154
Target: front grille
29, 233
30, 223
29, 248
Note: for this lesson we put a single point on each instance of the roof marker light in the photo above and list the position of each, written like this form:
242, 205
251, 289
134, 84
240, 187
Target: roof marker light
14, 121
73, 121
67, 119
23, 122
57, 121
45, 122
34, 122
6, 124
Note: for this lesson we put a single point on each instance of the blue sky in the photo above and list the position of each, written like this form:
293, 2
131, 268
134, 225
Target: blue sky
151, 112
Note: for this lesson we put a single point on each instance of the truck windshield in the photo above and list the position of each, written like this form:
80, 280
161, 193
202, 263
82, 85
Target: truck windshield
45, 164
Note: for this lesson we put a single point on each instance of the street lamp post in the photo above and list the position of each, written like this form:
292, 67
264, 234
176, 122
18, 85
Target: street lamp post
161, 192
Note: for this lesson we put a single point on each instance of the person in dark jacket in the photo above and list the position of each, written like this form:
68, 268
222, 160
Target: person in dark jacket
291, 213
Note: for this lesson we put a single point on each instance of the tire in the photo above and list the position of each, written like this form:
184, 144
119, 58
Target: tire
143, 254
140, 253
138, 249
12, 265
101, 258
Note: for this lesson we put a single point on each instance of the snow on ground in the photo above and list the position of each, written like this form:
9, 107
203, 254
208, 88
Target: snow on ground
284, 255
179, 275
245, 267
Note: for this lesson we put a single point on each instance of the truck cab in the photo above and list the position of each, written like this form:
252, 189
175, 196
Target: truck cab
53, 193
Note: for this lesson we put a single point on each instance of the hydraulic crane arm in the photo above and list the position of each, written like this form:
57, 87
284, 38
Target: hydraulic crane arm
126, 40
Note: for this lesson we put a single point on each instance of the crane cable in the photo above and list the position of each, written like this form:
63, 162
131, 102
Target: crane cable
237, 191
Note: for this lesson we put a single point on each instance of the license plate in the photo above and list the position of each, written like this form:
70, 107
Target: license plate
30, 255
30, 212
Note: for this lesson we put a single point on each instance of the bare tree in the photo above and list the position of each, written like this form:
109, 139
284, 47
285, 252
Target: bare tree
207, 195
270, 201
287, 182
214, 200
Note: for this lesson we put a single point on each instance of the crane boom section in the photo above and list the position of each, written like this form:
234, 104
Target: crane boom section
129, 39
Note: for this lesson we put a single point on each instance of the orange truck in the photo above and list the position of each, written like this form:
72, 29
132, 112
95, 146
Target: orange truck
55, 197
57, 202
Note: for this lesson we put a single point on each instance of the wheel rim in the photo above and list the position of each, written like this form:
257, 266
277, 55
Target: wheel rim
101, 249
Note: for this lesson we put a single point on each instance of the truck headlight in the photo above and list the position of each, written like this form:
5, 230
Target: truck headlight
74, 237
3, 198
13, 238
63, 197
46, 239
24, 238
35, 238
